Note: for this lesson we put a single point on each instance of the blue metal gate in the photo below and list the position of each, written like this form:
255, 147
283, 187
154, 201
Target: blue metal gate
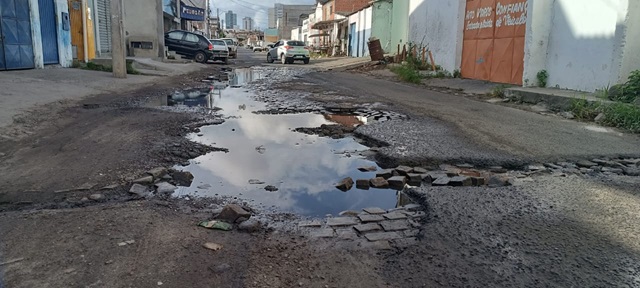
15, 28
48, 31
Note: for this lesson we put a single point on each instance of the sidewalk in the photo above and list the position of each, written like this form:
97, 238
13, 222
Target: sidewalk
24, 89
333, 63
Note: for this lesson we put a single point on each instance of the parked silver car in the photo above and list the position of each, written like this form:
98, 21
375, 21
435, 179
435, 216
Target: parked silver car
288, 51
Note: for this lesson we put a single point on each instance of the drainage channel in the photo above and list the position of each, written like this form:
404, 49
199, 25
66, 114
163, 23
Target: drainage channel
269, 164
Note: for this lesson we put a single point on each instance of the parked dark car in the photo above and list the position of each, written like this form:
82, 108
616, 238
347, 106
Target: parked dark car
189, 44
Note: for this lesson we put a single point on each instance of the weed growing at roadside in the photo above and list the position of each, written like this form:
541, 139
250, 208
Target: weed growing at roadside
457, 74
542, 76
619, 115
629, 91
498, 91
407, 73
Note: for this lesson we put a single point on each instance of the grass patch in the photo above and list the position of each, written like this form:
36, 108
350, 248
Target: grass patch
407, 73
99, 67
619, 115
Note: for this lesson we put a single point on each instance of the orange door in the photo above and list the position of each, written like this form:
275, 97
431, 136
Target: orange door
493, 46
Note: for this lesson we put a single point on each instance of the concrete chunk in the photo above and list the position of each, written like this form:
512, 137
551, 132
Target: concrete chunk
478, 181
345, 184
414, 179
232, 212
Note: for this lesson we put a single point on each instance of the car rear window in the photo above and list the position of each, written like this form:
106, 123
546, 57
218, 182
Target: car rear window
218, 42
228, 41
295, 43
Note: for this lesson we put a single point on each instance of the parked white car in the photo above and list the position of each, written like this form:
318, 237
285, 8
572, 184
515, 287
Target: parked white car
220, 51
233, 47
288, 51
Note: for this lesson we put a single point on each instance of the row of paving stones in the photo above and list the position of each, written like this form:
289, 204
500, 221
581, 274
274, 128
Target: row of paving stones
616, 166
373, 227
398, 178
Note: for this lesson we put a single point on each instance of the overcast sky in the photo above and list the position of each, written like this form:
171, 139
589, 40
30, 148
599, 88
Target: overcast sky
256, 9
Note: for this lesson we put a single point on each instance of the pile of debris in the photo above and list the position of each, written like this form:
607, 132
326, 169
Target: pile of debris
230, 215
160, 181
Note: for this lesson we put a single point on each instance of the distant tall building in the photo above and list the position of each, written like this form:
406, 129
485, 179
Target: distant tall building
288, 17
272, 18
247, 23
230, 19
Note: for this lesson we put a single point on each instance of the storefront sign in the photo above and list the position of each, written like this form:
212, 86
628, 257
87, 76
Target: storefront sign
191, 13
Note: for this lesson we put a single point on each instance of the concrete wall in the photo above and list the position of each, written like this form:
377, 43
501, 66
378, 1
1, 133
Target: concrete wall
439, 26
381, 23
583, 43
399, 24
631, 49
362, 22
142, 22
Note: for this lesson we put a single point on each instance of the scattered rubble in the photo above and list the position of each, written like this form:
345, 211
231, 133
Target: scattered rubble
345, 184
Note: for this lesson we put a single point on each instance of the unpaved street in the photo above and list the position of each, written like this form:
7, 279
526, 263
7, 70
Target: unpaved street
446, 191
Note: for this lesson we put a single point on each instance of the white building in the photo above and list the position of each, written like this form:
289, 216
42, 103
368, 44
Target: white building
359, 33
583, 45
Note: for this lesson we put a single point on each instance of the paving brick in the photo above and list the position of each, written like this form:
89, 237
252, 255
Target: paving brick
379, 182
364, 228
323, 233
404, 170
386, 173
347, 234
342, 221
436, 175
412, 207
379, 236
460, 181
398, 225
395, 215
478, 181
374, 210
370, 218
397, 182
442, 181
362, 184
419, 170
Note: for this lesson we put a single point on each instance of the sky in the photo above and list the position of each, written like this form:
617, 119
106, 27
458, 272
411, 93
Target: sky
256, 9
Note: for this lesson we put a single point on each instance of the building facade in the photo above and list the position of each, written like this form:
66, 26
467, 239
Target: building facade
35, 33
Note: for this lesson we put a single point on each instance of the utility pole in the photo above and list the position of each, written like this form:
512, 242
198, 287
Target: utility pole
208, 20
219, 22
119, 60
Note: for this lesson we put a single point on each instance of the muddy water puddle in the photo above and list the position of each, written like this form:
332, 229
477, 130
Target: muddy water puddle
264, 150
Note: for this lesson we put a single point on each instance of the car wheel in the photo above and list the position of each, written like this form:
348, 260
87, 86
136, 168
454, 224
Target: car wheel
200, 57
269, 58
306, 61
283, 59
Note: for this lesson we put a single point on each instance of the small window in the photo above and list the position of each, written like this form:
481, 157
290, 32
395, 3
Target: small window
142, 44
192, 38
175, 35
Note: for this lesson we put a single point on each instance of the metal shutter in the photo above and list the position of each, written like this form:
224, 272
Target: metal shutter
104, 25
